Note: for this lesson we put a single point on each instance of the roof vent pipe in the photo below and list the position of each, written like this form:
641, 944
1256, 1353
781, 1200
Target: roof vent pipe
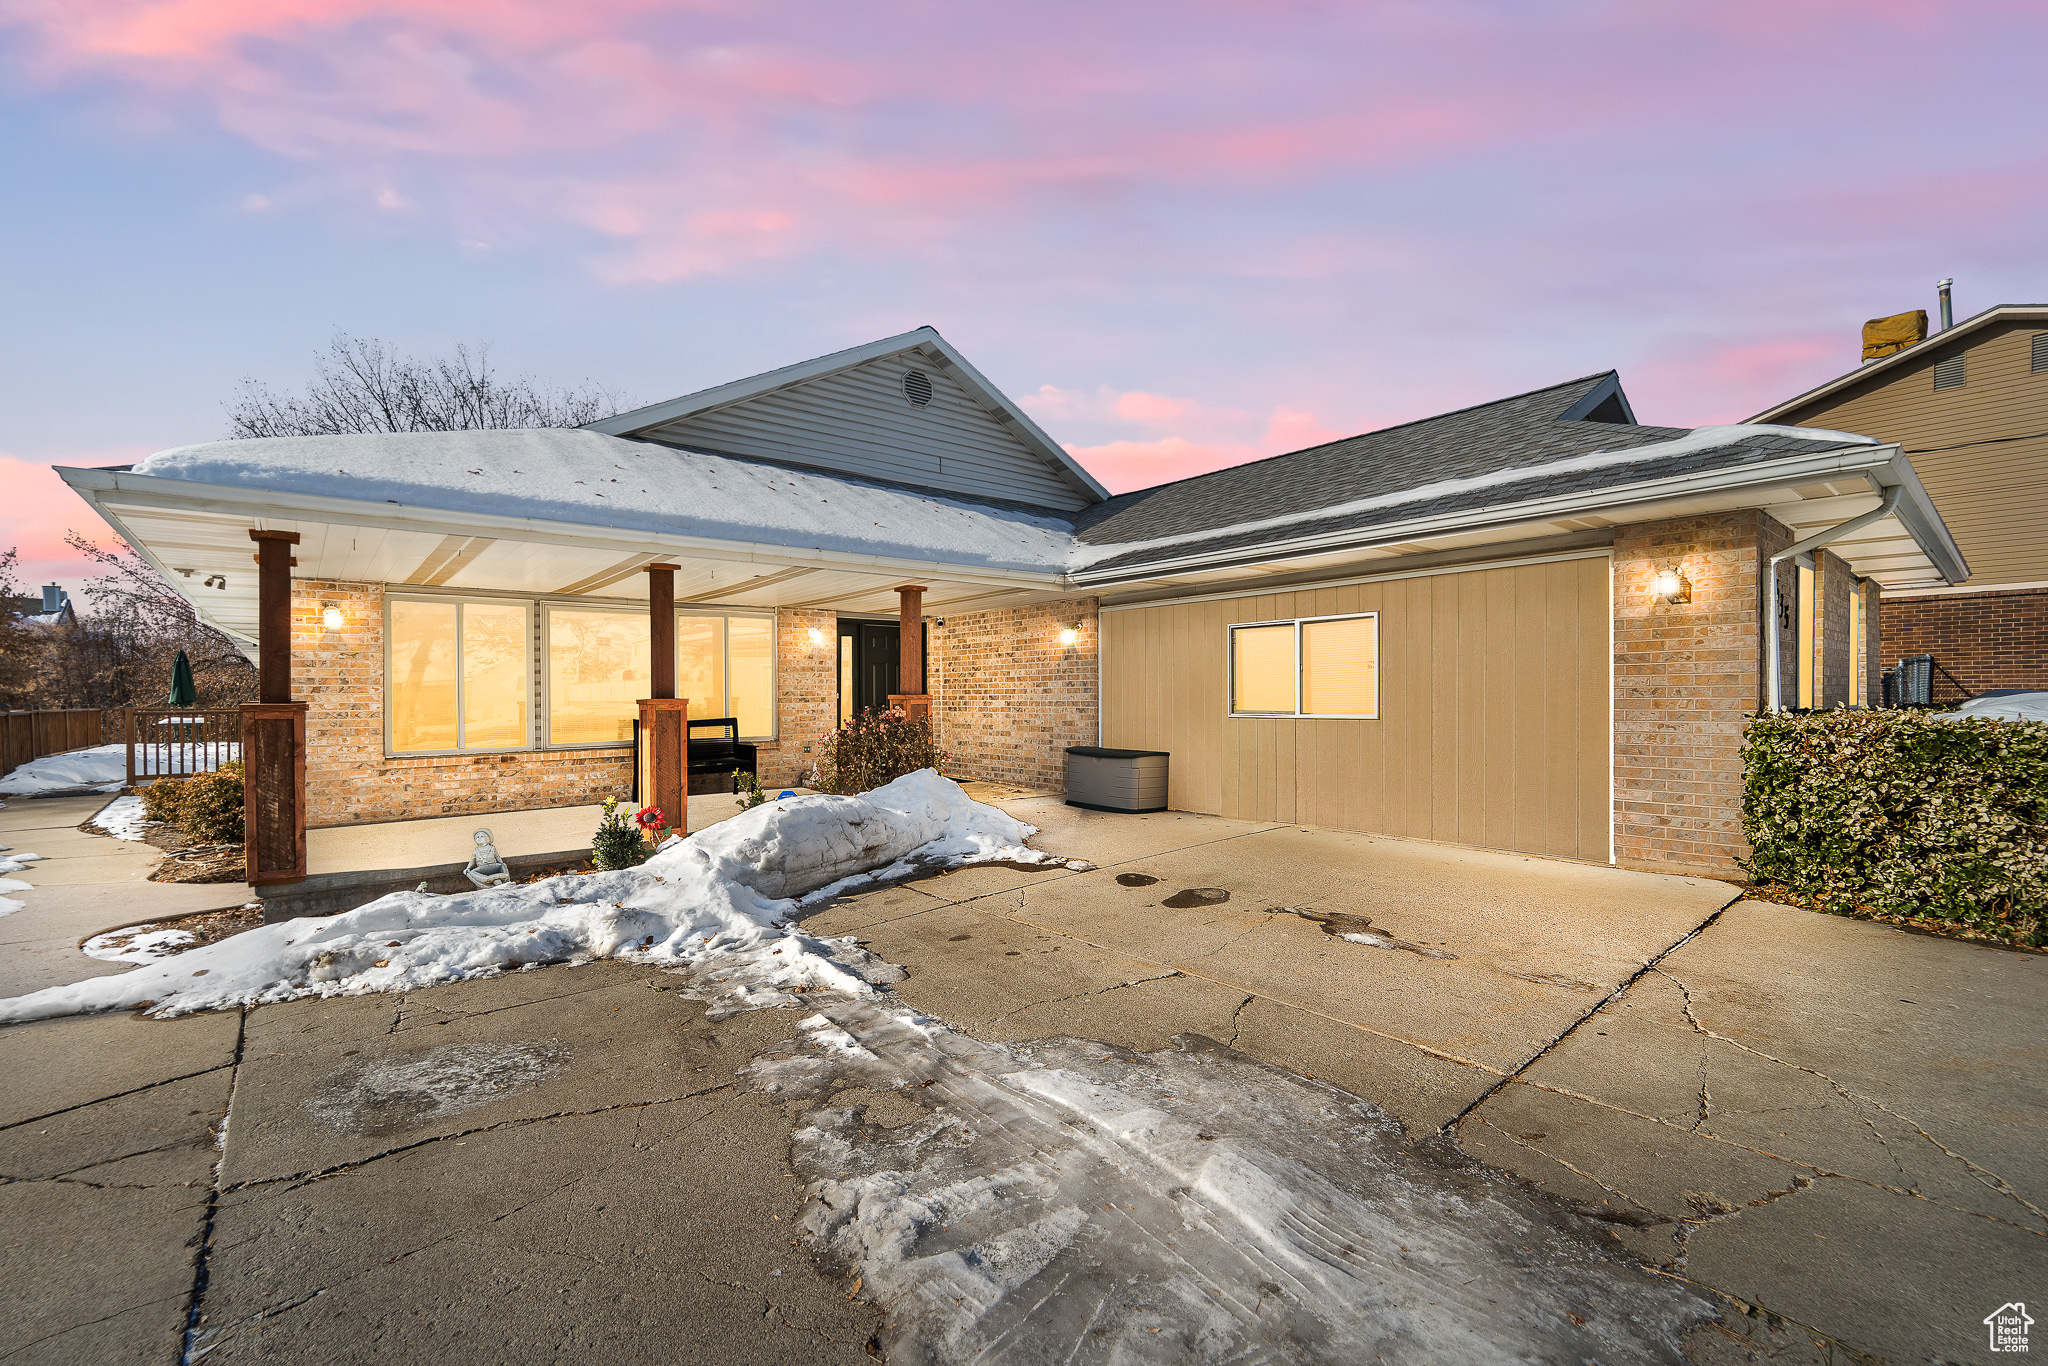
1948, 311
1776, 689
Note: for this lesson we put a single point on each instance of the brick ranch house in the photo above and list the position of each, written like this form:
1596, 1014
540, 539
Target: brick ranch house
1534, 625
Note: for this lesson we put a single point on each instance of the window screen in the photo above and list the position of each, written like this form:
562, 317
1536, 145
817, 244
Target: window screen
1262, 668
1340, 667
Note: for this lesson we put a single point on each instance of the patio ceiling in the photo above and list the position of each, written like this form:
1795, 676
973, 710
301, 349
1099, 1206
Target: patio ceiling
193, 533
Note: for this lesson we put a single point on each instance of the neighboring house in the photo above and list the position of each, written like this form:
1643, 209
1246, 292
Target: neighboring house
52, 609
1969, 407
1532, 624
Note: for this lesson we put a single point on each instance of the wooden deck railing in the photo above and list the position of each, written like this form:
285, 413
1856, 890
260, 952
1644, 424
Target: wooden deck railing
176, 742
26, 735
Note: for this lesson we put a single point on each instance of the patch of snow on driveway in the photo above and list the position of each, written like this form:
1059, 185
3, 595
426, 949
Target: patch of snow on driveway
137, 944
1069, 1201
122, 818
728, 889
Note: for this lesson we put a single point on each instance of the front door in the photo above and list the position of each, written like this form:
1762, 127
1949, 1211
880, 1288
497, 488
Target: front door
869, 661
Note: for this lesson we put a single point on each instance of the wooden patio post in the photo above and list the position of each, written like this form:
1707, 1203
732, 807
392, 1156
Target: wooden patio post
274, 728
664, 717
914, 700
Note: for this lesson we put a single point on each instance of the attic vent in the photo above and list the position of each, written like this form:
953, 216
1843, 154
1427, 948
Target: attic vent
2040, 352
917, 387
1948, 374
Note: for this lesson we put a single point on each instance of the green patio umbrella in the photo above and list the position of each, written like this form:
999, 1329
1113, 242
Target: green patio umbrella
183, 693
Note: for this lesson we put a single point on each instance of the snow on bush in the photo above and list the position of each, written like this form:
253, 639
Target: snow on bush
727, 890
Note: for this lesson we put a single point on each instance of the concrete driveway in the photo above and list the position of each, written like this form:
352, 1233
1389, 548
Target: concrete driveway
1835, 1124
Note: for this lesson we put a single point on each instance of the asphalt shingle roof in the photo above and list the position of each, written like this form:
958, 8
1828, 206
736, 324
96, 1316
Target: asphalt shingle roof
1508, 434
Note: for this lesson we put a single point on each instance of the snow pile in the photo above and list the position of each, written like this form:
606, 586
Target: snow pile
137, 944
2012, 706
104, 768
13, 863
122, 818
728, 889
1069, 1201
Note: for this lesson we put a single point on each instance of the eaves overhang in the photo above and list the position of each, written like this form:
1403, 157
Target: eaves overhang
269, 508
1883, 466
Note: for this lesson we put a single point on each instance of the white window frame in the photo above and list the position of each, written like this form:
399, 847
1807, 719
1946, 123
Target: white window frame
1230, 669
461, 683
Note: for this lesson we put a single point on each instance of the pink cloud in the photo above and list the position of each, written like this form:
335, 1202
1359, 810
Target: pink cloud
1192, 438
40, 508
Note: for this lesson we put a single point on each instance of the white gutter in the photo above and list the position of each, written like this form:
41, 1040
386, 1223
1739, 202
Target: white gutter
1886, 463
1774, 649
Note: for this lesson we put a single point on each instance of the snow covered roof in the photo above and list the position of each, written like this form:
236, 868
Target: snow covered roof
590, 479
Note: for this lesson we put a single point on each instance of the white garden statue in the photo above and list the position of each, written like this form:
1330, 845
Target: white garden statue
485, 868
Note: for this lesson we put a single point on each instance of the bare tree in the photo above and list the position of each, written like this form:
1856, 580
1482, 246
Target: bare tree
121, 652
18, 645
362, 385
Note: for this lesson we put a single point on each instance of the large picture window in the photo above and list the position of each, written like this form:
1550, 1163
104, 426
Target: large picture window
1309, 666
597, 673
725, 666
460, 675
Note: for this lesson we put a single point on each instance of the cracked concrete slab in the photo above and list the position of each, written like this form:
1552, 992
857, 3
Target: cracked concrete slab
1830, 1119
301, 1105
56, 1065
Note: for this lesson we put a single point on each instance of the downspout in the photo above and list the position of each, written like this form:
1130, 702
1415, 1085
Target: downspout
1798, 548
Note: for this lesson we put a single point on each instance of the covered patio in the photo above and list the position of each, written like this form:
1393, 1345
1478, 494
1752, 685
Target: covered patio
424, 671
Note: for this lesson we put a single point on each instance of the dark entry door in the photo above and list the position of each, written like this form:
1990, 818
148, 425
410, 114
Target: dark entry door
877, 662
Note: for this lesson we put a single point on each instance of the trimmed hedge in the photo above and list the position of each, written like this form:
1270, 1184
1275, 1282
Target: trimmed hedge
206, 806
1903, 815
875, 747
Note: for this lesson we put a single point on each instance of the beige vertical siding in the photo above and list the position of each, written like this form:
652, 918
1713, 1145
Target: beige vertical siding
1494, 720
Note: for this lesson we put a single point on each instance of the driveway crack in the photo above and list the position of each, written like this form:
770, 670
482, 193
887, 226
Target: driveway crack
1082, 995
1984, 1176
195, 1309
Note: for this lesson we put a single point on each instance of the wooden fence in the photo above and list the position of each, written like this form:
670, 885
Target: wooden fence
176, 742
26, 735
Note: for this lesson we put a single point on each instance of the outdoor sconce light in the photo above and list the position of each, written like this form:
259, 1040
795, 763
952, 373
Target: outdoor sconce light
330, 616
1069, 637
817, 637
1673, 586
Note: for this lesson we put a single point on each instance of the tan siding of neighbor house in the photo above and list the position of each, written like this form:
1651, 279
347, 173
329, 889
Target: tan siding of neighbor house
1493, 724
1994, 497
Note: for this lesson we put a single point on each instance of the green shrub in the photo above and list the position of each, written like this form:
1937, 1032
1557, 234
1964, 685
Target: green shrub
873, 748
617, 843
206, 806
751, 793
210, 808
161, 799
1903, 815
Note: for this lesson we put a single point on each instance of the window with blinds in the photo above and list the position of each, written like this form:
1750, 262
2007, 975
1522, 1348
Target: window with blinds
1311, 666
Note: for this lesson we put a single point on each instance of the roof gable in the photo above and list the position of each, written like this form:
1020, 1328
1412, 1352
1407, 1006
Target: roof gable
1906, 361
853, 412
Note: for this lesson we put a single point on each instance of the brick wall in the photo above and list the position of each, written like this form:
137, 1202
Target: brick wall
1685, 677
349, 779
1008, 697
1987, 640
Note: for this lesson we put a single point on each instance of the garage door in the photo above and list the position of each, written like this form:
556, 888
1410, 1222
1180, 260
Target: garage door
1468, 706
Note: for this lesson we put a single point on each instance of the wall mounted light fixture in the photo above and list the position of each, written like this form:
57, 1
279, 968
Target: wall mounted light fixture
1070, 636
1673, 586
817, 637
330, 616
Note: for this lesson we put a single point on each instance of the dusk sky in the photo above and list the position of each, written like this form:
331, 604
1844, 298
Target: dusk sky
1184, 235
